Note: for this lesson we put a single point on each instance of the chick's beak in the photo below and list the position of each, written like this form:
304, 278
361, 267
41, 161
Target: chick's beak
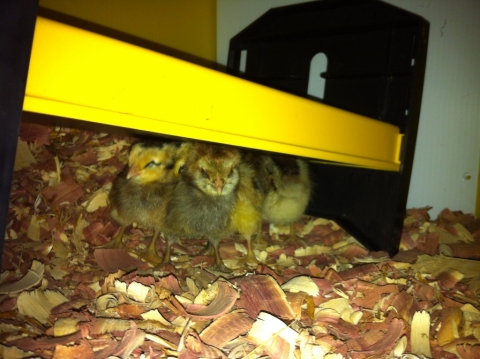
219, 185
133, 171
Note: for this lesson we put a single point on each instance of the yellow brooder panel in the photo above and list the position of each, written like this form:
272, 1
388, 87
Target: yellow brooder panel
85, 76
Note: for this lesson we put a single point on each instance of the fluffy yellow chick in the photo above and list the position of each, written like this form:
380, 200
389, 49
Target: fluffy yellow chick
289, 191
246, 217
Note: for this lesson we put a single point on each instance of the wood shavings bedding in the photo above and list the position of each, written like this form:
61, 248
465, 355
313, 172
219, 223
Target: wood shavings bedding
327, 297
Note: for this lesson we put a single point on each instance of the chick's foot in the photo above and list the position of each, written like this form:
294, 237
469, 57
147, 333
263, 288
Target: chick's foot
116, 242
218, 265
207, 251
293, 238
250, 259
260, 241
150, 254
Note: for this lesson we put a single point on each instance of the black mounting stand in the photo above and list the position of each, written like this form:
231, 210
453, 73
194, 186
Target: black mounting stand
376, 55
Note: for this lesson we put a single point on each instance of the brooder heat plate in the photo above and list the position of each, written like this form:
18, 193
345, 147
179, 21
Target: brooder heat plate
85, 76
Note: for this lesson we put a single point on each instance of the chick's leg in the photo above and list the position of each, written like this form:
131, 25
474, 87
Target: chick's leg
151, 254
259, 238
250, 258
208, 251
166, 256
219, 265
293, 236
116, 242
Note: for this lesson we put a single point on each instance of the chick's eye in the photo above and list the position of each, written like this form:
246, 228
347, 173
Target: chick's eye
151, 164
205, 174
230, 174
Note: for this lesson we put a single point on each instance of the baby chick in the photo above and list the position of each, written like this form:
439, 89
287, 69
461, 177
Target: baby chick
140, 193
205, 197
246, 217
289, 191
181, 158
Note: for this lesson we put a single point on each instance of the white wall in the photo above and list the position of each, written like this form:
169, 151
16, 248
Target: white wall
448, 142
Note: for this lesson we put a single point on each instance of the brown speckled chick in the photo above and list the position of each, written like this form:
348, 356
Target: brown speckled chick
206, 195
140, 193
289, 190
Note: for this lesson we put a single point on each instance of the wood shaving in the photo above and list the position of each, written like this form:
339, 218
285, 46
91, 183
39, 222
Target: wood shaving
31, 279
420, 335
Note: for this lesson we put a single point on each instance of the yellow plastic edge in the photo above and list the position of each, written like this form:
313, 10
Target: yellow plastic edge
85, 76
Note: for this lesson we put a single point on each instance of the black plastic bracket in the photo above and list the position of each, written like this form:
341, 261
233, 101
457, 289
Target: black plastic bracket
376, 55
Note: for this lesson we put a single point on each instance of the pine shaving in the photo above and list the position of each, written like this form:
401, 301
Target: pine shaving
32, 278
106, 152
38, 303
400, 347
285, 261
471, 316
420, 334
135, 291
434, 265
266, 327
13, 353
464, 233
312, 250
192, 286
343, 308
450, 325
309, 347
65, 326
206, 296
23, 156
155, 315
56, 180
98, 199
33, 231
106, 301
301, 284
132, 339
239, 247
334, 356
156, 339
108, 325
56, 271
